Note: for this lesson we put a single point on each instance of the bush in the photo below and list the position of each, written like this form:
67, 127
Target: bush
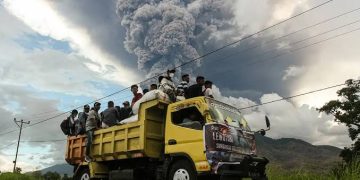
350, 170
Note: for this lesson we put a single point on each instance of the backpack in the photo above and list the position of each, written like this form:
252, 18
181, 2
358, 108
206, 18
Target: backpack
65, 126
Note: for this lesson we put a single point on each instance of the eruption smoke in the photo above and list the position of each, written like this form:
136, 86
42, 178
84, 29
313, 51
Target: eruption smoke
167, 33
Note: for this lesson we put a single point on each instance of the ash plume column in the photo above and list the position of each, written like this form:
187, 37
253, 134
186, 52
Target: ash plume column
167, 33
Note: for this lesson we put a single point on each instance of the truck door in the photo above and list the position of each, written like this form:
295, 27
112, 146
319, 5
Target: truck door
184, 132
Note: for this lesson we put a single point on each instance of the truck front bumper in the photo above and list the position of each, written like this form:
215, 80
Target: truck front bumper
250, 166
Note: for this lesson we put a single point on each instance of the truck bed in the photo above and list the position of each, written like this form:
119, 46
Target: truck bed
143, 138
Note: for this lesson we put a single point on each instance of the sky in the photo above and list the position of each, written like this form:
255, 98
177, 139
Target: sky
58, 55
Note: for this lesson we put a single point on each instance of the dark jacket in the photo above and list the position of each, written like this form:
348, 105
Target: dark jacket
194, 91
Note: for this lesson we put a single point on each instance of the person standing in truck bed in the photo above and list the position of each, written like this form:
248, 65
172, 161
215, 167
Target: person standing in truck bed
91, 126
110, 116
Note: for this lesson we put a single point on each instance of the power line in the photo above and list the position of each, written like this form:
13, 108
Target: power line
256, 33
292, 33
198, 58
297, 95
303, 47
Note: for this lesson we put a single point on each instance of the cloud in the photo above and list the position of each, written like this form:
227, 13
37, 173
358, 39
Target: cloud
292, 71
42, 18
289, 120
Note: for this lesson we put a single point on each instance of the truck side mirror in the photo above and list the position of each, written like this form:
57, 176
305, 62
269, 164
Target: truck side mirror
267, 122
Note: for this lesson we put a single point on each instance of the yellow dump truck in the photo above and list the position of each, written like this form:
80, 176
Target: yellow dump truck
186, 140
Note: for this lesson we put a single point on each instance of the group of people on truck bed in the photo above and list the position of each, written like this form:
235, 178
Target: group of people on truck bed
90, 119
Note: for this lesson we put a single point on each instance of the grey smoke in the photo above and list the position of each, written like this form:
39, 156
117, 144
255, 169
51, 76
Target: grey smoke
167, 33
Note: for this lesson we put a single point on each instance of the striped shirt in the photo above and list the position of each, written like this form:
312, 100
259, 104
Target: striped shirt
182, 87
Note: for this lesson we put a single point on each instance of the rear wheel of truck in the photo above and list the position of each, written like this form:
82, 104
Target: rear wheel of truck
182, 170
84, 174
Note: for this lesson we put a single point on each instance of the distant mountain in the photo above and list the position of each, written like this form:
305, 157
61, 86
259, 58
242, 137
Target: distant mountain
289, 153
59, 168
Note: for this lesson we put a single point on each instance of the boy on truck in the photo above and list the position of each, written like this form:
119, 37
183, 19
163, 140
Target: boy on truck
91, 126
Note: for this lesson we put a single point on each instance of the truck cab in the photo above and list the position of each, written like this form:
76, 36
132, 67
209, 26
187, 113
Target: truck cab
188, 139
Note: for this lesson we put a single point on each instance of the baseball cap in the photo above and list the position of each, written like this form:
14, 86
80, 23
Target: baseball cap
96, 104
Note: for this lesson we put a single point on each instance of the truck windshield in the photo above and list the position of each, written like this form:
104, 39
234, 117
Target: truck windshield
226, 114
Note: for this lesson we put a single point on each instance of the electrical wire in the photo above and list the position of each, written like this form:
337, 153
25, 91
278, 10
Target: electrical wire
290, 97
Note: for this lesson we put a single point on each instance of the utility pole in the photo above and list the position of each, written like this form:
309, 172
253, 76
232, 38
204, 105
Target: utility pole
17, 149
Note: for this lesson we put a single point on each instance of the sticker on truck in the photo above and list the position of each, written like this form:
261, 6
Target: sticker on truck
225, 143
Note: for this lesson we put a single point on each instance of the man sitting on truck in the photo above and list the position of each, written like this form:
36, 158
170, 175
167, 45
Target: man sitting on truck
91, 126
137, 95
208, 89
182, 87
125, 111
196, 89
110, 116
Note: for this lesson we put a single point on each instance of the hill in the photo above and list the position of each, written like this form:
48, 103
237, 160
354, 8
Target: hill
59, 168
289, 153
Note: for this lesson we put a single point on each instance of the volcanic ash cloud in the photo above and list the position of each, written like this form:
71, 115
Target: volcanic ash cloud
167, 33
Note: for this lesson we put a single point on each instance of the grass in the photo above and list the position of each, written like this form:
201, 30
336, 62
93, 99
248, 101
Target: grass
15, 176
342, 171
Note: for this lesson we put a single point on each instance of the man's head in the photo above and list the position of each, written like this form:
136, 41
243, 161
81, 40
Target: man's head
97, 106
134, 89
185, 77
200, 80
86, 108
110, 104
126, 104
153, 87
171, 73
74, 113
208, 84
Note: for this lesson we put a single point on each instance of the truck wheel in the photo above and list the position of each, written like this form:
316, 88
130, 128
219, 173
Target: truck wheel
84, 174
182, 170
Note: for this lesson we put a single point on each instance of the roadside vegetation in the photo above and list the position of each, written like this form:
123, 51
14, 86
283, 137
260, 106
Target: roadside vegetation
33, 176
342, 171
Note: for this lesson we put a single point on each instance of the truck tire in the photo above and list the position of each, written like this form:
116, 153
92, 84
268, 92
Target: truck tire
84, 174
182, 170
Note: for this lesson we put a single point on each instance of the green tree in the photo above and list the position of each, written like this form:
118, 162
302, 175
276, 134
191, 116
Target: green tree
346, 110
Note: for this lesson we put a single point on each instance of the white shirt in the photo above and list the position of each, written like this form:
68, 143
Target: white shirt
208, 92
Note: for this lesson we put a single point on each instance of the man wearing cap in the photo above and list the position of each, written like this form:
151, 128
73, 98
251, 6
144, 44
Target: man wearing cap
80, 125
125, 111
91, 126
